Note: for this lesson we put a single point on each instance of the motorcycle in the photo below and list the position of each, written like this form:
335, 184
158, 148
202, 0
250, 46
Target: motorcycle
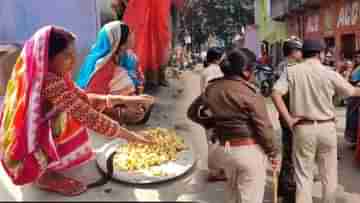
265, 79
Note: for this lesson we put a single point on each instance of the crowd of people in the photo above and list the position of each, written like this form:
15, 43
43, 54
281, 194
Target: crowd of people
348, 68
46, 113
241, 138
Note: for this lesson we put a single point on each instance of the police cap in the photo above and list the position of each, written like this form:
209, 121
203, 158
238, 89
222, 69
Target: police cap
313, 46
291, 44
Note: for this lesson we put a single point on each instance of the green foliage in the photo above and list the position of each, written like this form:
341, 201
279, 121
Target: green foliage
224, 18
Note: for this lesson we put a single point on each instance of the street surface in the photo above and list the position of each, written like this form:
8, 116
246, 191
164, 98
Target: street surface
170, 112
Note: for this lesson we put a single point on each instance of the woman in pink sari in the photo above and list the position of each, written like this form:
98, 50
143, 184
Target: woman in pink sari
45, 117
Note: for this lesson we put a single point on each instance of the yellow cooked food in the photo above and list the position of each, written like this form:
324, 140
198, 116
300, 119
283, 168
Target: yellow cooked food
133, 156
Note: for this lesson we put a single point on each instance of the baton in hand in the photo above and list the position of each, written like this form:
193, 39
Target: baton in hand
275, 186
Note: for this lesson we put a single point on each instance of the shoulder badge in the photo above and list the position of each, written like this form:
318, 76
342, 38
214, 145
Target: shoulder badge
292, 64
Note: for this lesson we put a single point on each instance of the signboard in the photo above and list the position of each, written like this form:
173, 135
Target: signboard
312, 23
293, 27
349, 14
328, 20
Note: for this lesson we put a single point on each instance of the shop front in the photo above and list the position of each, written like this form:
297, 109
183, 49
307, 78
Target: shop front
312, 25
347, 27
335, 22
295, 25
305, 24
328, 24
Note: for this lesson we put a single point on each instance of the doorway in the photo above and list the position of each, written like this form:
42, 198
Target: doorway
330, 42
348, 45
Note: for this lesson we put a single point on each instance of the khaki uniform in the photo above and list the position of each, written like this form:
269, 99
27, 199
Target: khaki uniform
208, 74
287, 186
245, 169
311, 87
238, 112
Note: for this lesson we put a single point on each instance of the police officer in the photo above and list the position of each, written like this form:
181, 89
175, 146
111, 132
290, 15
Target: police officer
241, 125
311, 118
292, 50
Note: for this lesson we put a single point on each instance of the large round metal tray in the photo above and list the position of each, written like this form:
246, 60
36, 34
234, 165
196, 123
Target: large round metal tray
184, 162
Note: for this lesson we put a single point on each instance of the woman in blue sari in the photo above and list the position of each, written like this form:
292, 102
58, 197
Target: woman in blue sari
111, 66
130, 63
353, 106
103, 73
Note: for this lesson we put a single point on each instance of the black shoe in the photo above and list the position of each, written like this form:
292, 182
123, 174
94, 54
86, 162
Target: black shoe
164, 83
289, 198
286, 190
353, 146
317, 178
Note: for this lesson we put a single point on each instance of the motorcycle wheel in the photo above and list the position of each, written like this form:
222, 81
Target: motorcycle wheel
265, 88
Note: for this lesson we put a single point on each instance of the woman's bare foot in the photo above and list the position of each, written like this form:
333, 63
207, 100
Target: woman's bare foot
55, 182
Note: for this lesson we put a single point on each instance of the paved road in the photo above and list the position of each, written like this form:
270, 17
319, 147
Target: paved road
170, 112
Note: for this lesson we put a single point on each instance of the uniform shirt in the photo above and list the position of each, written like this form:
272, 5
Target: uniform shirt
238, 111
283, 65
311, 87
282, 69
212, 72
330, 67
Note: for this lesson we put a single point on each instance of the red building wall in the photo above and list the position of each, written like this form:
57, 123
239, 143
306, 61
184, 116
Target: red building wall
295, 25
347, 23
335, 20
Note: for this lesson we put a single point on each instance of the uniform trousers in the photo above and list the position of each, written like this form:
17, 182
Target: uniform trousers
245, 169
315, 144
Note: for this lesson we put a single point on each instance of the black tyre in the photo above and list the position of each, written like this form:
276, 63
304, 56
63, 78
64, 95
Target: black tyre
265, 88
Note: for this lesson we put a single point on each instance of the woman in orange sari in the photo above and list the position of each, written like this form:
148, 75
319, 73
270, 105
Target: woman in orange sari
45, 117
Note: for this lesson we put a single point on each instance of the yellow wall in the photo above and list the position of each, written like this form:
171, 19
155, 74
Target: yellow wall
269, 30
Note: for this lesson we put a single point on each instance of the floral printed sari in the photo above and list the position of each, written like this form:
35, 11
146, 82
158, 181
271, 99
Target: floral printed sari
33, 137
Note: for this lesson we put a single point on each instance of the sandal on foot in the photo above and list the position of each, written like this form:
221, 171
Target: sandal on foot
217, 178
66, 187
